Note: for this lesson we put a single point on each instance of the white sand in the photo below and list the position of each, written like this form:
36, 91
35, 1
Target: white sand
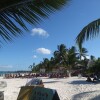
68, 88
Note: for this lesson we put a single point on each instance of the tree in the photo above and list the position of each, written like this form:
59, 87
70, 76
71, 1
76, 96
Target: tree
71, 58
31, 67
37, 67
82, 53
92, 57
63, 57
91, 62
60, 54
15, 13
46, 64
52, 63
95, 66
88, 32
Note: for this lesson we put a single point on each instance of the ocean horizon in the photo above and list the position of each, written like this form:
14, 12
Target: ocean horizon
9, 72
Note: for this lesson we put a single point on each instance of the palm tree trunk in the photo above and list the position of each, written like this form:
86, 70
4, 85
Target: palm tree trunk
69, 71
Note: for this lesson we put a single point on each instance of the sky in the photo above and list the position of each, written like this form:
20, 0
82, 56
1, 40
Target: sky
62, 27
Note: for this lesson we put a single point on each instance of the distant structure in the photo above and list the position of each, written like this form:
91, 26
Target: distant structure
42, 70
90, 63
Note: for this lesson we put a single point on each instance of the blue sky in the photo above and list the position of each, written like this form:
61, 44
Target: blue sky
41, 41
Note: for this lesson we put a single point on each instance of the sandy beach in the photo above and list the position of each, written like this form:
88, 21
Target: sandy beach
71, 88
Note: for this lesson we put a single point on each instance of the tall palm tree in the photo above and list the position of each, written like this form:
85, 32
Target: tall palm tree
46, 63
52, 63
71, 59
88, 32
60, 54
15, 13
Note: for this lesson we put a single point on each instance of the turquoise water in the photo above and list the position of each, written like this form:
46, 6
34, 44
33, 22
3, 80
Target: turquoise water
8, 72
2, 73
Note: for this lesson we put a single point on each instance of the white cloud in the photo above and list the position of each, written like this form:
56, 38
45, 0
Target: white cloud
40, 32
34, 56
43, 51
6, 66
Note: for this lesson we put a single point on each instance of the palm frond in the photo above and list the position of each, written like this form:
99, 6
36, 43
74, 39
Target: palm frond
14, 14
88, 32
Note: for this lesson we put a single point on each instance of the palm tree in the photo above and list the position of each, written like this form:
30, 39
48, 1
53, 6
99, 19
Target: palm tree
51, 63
91, 61
92, 57
46, 63
65, 57
60, 54
88, 32
71, 59
82, 53
31, 67
15, 13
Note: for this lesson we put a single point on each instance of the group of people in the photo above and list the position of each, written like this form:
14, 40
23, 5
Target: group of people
20, 75
32, 75
57, 75
95, 78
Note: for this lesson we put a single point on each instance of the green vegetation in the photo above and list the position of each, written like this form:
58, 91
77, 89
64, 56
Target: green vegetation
63, 57
70, 59
95, 67
88, 32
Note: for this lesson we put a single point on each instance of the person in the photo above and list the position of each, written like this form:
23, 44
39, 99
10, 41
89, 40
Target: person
89, 79
95, 78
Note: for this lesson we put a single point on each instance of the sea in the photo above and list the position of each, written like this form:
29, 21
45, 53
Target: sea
11, 72
6, 72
